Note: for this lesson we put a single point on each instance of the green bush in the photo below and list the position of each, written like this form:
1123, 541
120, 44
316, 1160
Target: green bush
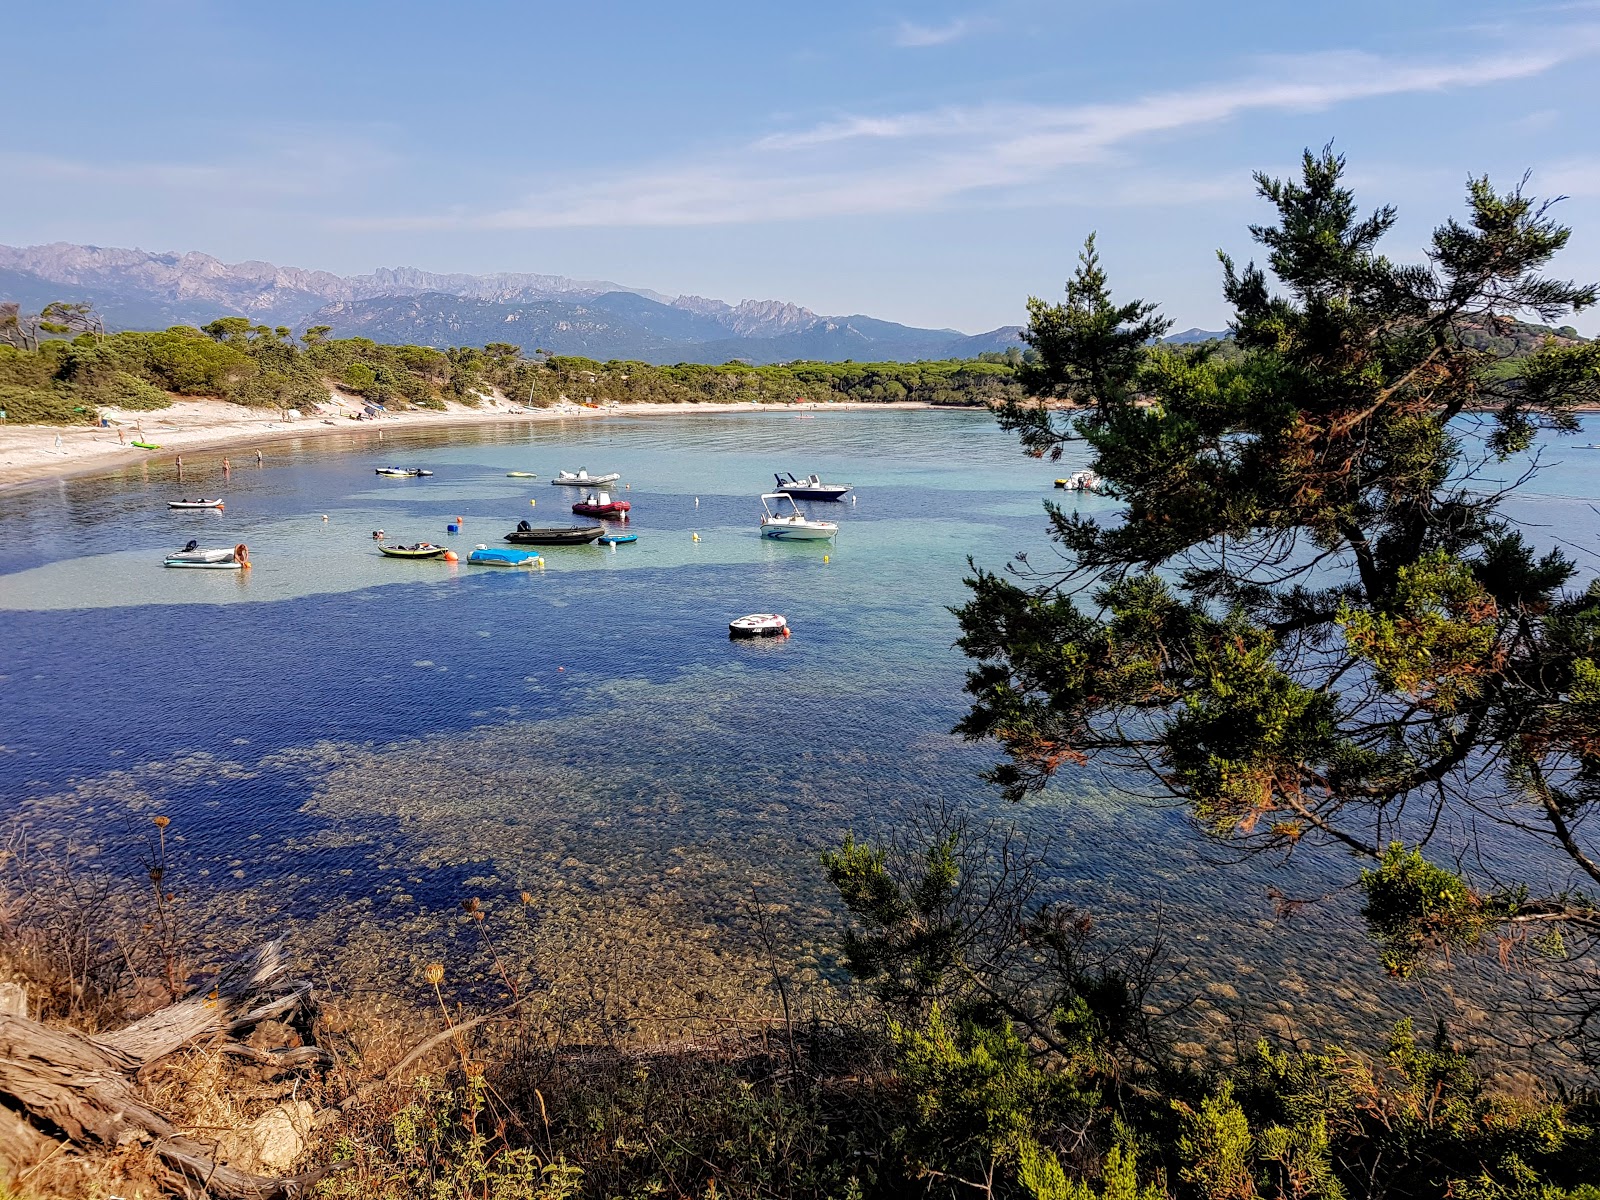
44, 406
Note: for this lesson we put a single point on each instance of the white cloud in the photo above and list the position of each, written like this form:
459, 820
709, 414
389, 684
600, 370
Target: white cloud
903, 162
912, 35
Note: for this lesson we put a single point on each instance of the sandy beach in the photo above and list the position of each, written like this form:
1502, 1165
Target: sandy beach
33, 454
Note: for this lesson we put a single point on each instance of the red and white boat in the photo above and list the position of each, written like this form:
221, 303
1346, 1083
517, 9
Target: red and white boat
600, 504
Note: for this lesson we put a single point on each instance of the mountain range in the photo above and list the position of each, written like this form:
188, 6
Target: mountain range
135, 289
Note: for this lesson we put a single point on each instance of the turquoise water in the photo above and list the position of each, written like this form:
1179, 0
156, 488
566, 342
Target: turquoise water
351, 745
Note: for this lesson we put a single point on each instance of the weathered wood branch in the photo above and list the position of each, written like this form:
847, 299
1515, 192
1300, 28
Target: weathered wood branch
85, 1087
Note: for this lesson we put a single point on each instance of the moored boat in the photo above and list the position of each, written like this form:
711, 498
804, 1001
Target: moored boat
192, 556
194, 503
759, 625
419, 550
1081, 481
401, 472
582, 478
496, 556
792, 526
556, 535
617, 539
810, 487
601, 504
521, 475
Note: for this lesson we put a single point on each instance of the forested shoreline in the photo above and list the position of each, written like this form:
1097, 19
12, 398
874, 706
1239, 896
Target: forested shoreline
60, 367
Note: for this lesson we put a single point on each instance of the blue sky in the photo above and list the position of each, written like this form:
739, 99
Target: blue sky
928, 163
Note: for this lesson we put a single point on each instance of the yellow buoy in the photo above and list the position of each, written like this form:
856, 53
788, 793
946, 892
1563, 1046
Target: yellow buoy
533, 502
824, 558
695, 536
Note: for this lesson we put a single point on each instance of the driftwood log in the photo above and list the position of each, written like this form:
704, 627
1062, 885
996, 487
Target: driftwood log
85, 1088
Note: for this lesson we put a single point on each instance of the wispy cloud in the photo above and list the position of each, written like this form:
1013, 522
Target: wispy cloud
909, 161
914, 35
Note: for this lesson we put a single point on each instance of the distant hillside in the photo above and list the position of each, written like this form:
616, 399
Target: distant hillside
133, 289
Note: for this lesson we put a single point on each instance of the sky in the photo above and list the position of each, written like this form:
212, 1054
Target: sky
931, 163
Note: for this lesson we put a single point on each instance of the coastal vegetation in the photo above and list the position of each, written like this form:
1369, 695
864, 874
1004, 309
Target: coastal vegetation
1315, 626
60, 367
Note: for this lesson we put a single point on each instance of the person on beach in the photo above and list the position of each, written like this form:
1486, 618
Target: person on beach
258, 458
225, 467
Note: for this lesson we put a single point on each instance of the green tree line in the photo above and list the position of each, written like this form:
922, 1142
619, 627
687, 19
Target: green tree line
60, 367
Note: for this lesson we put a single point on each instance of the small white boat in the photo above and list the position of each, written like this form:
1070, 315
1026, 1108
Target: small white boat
194, 503
236, 559
582, 478
759, 625
1081, 481
792, 526
401, 472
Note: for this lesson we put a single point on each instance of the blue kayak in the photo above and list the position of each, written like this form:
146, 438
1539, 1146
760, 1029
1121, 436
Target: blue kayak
496, 557
616, 539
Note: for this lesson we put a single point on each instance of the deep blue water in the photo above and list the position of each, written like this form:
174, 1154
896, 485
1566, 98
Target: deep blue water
353, 742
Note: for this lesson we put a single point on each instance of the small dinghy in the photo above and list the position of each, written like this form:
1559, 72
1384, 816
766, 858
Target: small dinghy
758, 625
401, 472
420, 550
600, 504
617, 539
487, 556
582, 478
521, 475
810, 487
236, 559
194, 503
792, 526
559, 535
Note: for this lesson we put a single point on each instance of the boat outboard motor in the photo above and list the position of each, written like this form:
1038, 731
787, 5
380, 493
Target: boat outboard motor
194, 544
523, 525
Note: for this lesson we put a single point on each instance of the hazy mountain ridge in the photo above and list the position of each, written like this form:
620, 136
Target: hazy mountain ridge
597, 318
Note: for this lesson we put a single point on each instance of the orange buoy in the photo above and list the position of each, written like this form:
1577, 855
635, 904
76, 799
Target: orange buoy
450, 556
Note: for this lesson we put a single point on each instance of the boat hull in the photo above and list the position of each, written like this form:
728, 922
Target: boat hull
619, 509
797, 533
618, 539
579, 535
585, 480
192, 504
203, 565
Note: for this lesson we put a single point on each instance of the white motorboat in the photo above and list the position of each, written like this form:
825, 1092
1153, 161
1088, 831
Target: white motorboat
194, 503
582, 478
759, 625
793, 526
810, 487
402, 472
193, 556
1081, 481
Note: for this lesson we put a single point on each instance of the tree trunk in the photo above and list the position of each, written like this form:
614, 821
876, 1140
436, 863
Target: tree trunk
84, 1088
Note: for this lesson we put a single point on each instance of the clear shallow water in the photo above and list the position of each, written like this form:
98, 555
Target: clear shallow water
354, 744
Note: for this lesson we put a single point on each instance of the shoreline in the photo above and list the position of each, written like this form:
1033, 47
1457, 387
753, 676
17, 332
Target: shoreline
34, 455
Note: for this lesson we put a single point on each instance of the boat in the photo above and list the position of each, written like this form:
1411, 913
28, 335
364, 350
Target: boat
810, 487
582, 478
617, 539
600, 504
558, 535
497, 556
238, 558
1081, 481
401, 472
194, 503
146, 445
420, 550
759, 625
521, 475
792, 526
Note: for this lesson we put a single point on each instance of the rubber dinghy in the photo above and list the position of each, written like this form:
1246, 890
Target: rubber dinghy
556, 535
420, 550
194, 503
759, 625
192, 556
